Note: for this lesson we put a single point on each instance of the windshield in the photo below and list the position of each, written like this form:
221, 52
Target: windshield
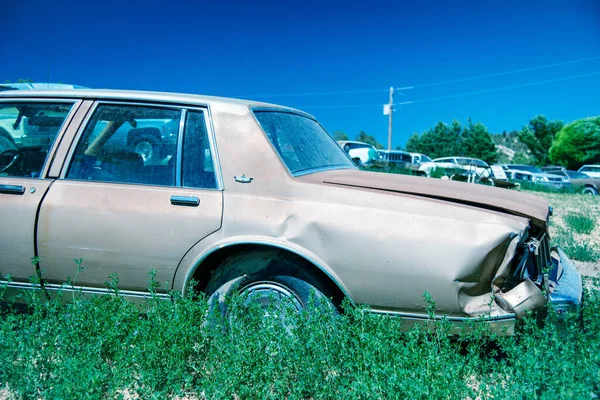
577, 175
303, 144
528, 168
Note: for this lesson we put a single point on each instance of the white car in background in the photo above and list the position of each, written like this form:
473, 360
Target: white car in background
471, 166
363, 154
593, 171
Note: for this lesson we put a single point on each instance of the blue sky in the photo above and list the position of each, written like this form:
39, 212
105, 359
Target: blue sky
274, 51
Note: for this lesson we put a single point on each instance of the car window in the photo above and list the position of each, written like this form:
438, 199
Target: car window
128, 144
303, 145
425, 159
27, 132
198, 166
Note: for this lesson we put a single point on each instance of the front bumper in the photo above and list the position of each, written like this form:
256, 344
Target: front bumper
568, 294
563, 289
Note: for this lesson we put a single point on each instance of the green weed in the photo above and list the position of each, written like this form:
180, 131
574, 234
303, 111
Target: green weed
580, 223
106, 347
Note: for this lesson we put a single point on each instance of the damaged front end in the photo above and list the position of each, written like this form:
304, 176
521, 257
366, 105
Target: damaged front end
538, 274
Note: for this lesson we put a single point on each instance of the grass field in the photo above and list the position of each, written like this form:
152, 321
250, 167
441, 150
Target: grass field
105, 348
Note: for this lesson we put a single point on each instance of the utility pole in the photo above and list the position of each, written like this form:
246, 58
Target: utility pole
390, 111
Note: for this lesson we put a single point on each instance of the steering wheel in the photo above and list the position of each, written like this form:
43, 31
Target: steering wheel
9, 154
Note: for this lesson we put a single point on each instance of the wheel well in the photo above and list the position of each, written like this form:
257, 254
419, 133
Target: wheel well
209, 265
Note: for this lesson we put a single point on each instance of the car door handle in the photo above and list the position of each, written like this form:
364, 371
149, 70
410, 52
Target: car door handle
12, 189
190, 201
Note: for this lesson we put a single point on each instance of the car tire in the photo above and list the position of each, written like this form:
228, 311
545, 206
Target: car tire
265, 277
590, 191
145, 146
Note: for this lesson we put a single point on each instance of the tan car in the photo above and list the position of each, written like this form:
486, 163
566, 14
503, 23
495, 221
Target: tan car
260, 199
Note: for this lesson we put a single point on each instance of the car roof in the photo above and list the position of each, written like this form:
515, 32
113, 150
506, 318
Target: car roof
145, 96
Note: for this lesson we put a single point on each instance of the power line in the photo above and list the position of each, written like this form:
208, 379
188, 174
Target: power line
515, 71
462, 94
424, 85
506, 87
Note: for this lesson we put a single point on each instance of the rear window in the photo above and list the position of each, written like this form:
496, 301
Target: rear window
303, 145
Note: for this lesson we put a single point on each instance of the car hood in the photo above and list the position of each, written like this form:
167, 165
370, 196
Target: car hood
496, 199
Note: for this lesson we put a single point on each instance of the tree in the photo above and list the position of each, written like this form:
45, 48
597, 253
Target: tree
478, 142
340, 136
366, 138
538, 137
439, 141
578, 143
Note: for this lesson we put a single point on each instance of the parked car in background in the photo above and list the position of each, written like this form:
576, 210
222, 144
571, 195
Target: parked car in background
535, 175
592, 171
587, 184
397, 159
363, 154
463, 166
256, 199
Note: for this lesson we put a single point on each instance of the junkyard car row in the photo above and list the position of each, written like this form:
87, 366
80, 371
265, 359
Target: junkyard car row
255, 198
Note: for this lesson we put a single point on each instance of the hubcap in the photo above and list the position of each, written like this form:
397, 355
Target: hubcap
271, 294
145, 150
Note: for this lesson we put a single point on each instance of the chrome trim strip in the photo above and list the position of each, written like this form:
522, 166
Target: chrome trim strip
212, 140
418, 316
191, 271
178, 167
84, 289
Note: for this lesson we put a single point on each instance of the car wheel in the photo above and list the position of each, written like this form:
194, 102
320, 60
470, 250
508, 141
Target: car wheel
267, 278
590, 191
146, 147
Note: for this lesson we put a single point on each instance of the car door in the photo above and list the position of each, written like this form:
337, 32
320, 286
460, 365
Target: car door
125, 213
28, 131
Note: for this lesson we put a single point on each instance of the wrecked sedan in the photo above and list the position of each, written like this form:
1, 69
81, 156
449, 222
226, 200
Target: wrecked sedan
257, 198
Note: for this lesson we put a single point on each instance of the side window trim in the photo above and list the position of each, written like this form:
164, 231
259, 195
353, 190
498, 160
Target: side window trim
179, 165
58, 140
183, 108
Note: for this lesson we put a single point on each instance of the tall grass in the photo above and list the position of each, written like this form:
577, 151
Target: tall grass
105, 347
